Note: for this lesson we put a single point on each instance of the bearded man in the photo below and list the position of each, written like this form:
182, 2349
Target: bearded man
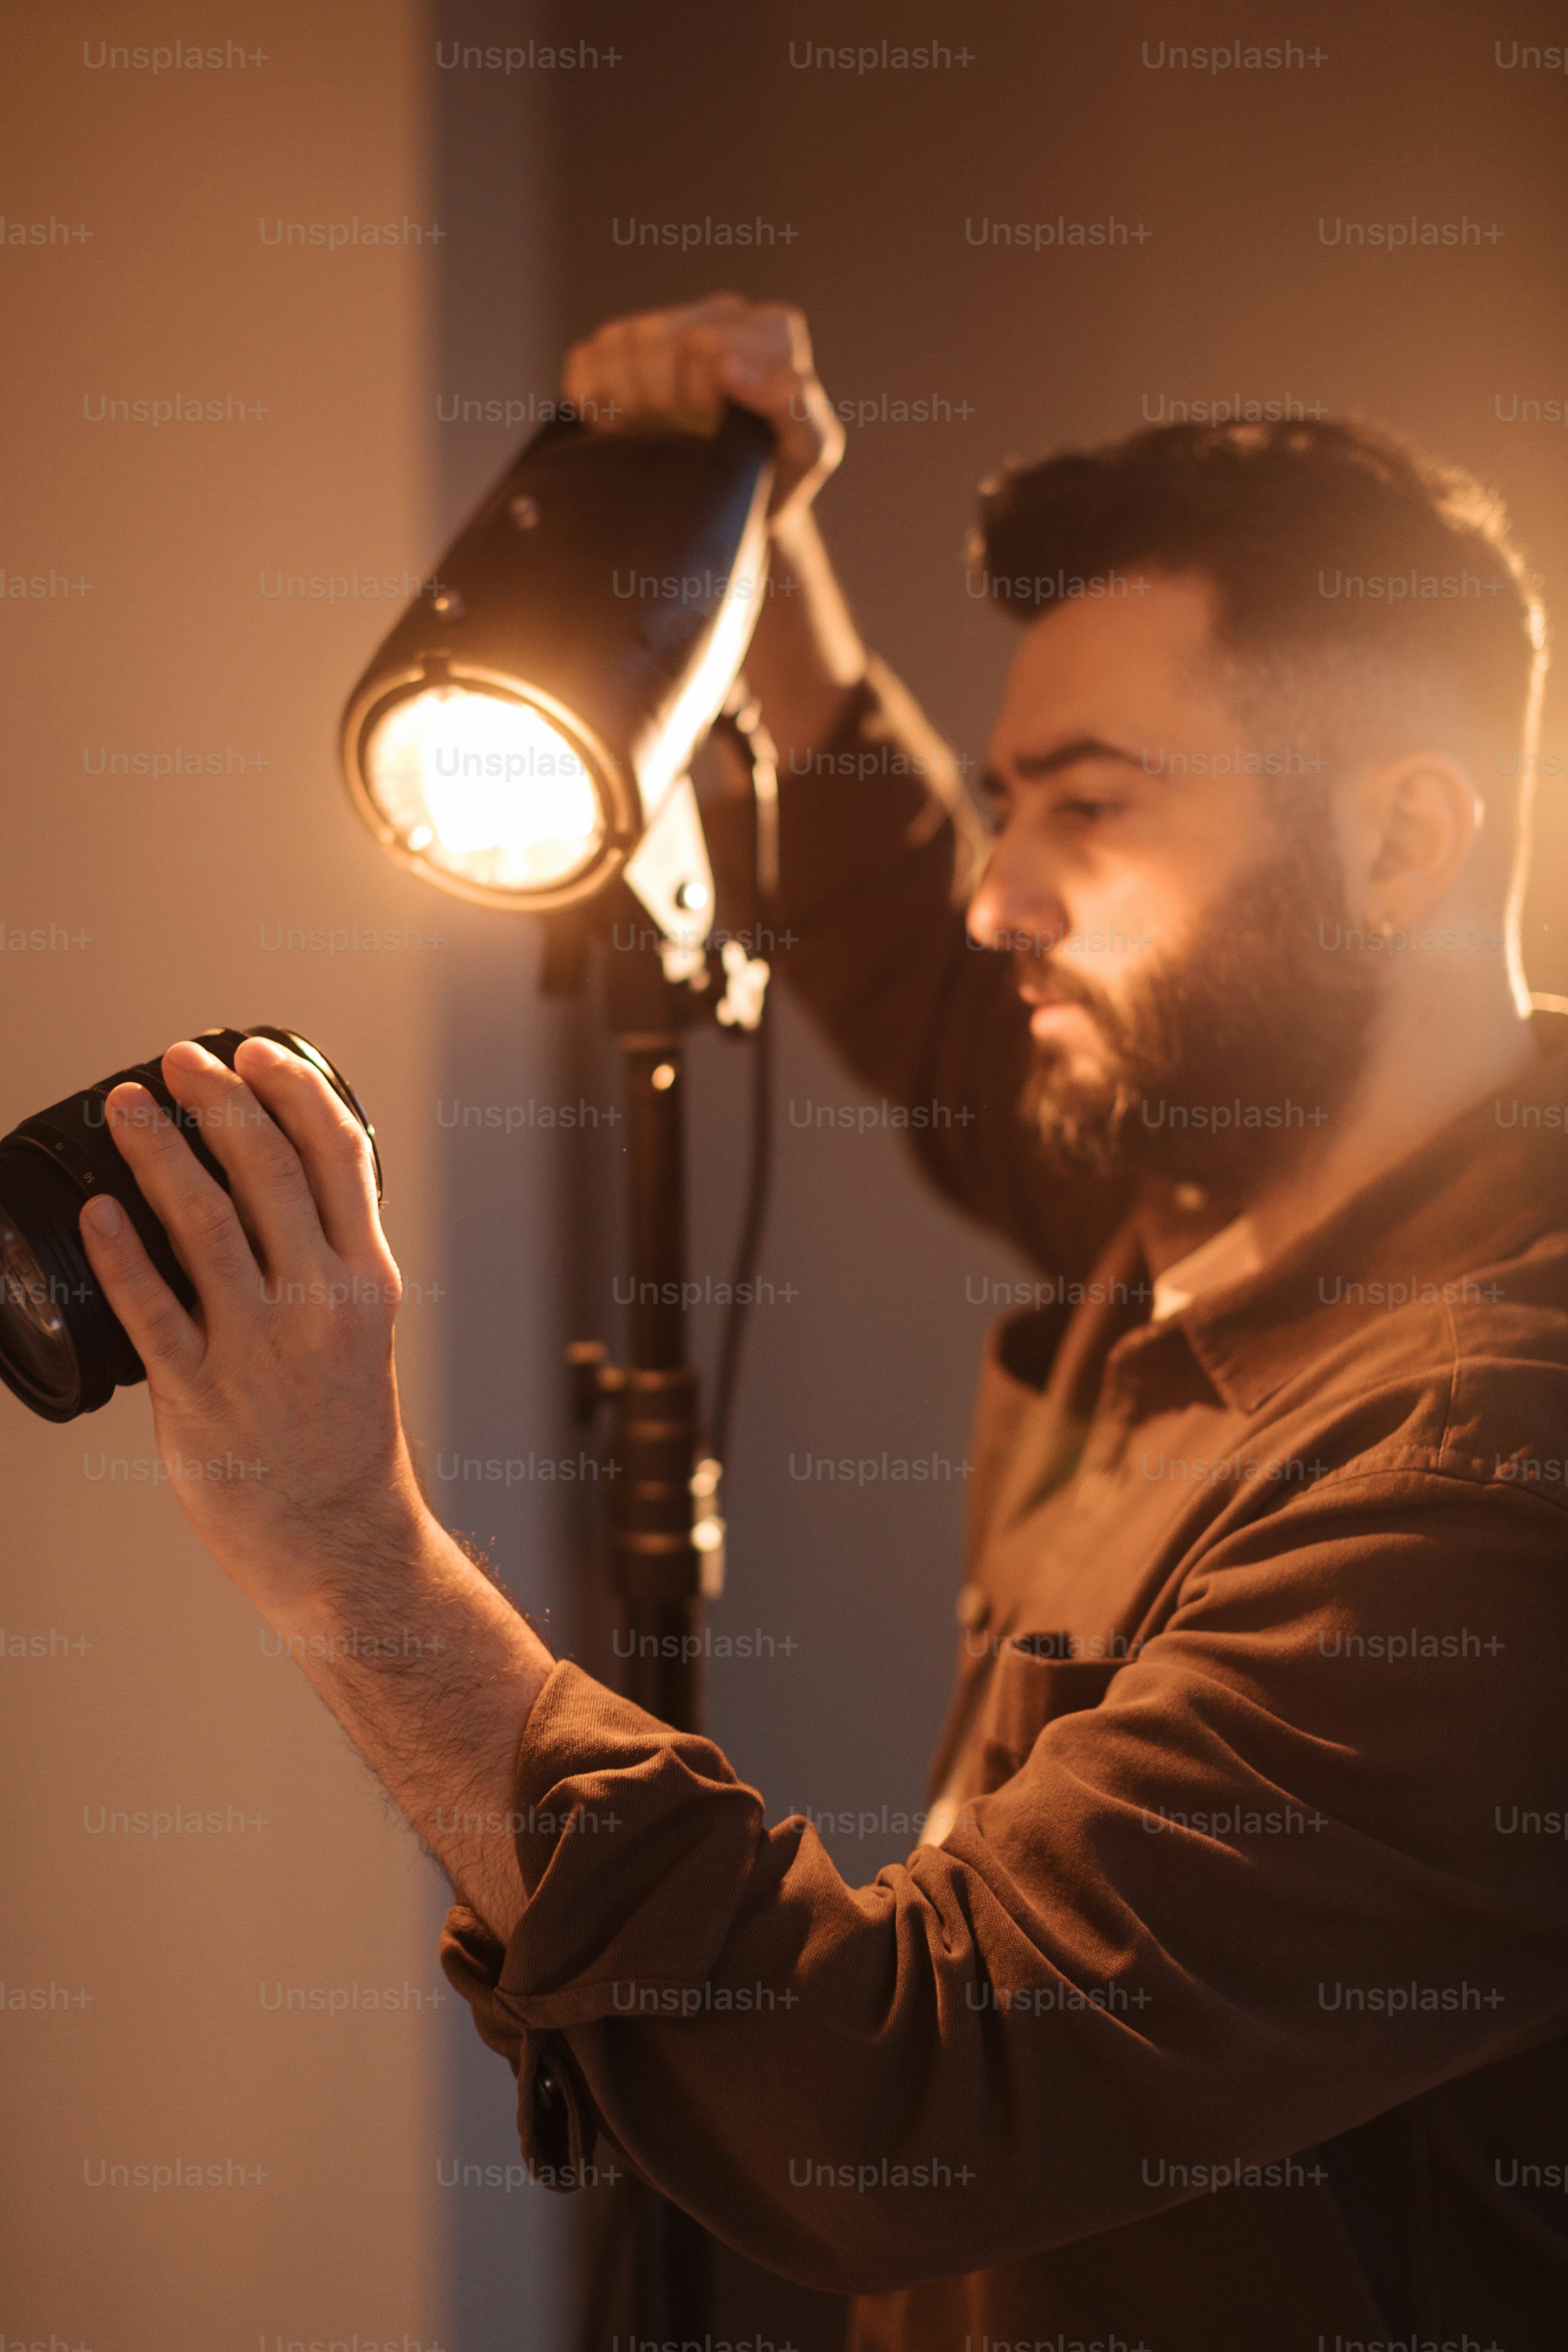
1224, 2003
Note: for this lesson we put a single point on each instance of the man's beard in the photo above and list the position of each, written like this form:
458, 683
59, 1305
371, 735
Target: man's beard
1254, 1017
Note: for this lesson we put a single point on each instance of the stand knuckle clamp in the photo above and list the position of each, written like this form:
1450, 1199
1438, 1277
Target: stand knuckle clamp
667, 1540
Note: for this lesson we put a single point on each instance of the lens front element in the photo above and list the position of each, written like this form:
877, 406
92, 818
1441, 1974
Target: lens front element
34, 1338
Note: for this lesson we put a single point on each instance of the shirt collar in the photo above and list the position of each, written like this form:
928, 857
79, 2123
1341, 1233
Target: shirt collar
1473, 1196
1229, 1255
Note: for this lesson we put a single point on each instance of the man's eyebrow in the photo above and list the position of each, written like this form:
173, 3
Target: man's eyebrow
1034, 765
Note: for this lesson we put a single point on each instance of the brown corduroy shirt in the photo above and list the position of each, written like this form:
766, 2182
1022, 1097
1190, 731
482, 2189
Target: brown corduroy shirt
1231, 2010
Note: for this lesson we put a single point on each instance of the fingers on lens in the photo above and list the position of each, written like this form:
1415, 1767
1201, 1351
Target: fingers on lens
236, 1126
159, 1330
330, 1148
266, 1213
194, 1211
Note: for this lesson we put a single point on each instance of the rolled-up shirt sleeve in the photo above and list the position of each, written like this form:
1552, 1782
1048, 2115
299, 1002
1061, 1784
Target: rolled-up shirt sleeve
1252, 1897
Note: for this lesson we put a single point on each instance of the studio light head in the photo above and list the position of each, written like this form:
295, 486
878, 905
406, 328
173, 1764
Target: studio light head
523, 735
62, 1350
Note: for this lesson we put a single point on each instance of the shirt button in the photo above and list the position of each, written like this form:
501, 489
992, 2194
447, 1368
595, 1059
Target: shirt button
973, 1607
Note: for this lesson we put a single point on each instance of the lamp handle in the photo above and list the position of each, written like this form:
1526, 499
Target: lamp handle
736, 425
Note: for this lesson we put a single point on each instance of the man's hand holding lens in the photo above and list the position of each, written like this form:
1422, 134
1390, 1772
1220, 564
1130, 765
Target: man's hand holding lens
275, 1402
282, 1373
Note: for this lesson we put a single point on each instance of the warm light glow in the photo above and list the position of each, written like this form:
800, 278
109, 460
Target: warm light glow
484, 789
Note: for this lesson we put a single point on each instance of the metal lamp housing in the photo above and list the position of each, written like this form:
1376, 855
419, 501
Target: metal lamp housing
609, 583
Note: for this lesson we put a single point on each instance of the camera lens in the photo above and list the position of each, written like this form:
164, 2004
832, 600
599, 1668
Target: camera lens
62, 1350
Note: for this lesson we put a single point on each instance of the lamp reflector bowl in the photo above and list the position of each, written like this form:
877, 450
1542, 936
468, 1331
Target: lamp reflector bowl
524, 725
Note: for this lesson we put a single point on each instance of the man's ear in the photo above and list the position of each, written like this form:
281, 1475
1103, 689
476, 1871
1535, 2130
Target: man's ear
1415, 824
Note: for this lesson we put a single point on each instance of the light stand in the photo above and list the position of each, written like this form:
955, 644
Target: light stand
656, 1568
666, 1541
665, 1555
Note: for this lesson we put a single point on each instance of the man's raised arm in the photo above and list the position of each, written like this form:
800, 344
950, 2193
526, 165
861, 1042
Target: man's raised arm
880, 840
681, 365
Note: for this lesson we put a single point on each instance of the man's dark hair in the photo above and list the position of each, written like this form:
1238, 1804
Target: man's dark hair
1306, 532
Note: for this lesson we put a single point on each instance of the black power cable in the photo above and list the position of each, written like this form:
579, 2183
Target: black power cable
749, 1248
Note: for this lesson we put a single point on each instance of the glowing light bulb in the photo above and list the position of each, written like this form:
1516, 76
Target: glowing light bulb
485, 789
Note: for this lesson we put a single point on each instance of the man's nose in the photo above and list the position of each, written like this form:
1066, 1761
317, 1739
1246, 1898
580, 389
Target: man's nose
1015, 907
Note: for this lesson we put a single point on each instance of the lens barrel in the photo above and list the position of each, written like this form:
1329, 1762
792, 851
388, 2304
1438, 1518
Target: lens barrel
62, 1349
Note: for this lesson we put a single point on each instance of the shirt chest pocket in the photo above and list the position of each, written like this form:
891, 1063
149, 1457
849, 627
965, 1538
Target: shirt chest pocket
1030, 1685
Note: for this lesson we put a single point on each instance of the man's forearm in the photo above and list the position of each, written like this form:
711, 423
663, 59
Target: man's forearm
806, 658
432, 1674
682, 366
428, 1666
